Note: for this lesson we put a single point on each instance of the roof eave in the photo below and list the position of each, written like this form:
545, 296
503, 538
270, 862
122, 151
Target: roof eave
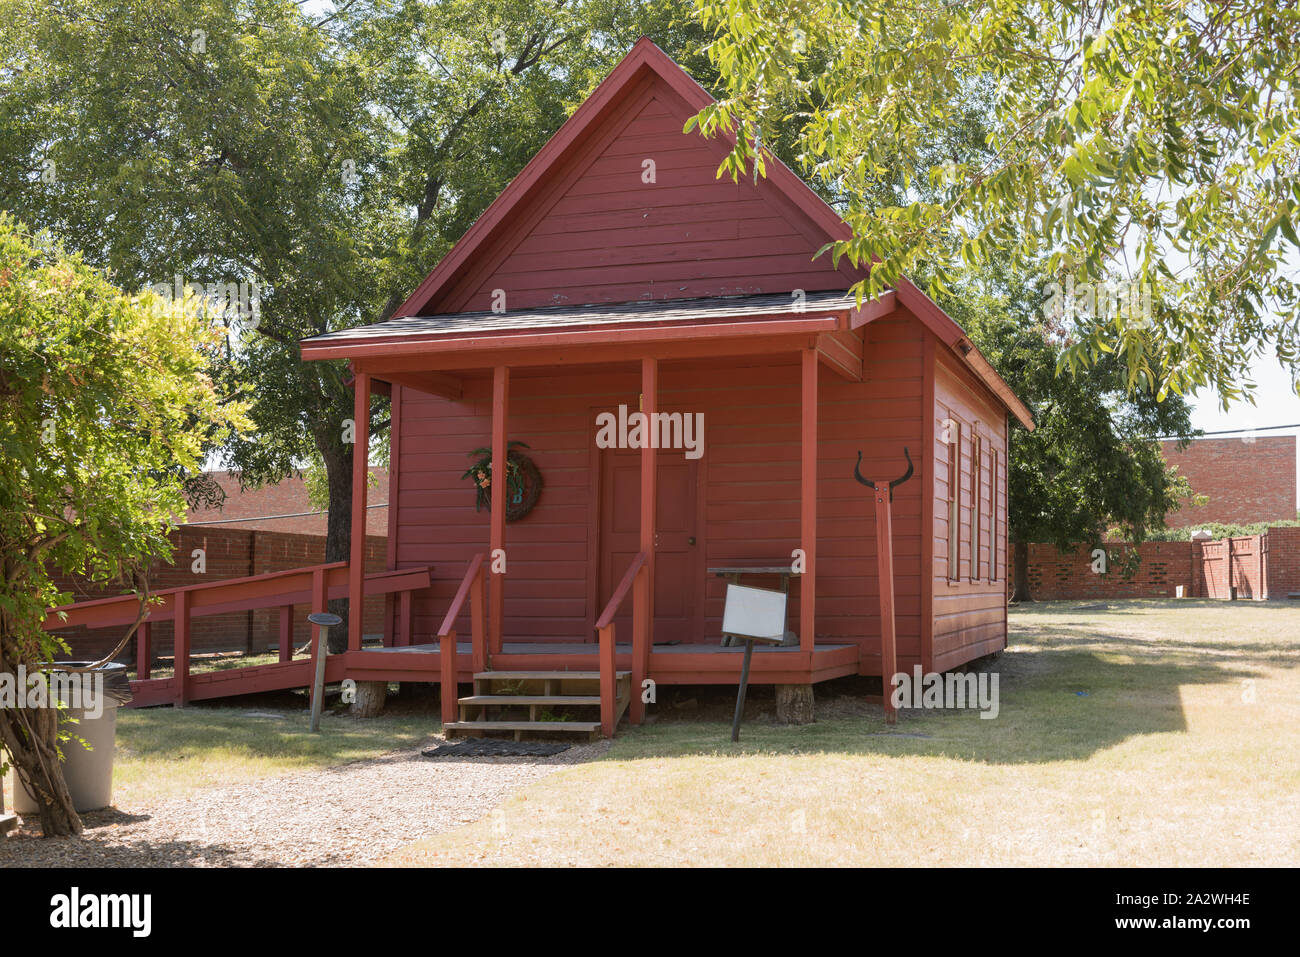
955, 338
522, 339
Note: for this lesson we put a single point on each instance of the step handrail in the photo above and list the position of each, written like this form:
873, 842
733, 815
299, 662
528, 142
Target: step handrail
616, 599
471, 587
605, 633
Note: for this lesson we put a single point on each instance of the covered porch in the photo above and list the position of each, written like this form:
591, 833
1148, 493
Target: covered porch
614, 588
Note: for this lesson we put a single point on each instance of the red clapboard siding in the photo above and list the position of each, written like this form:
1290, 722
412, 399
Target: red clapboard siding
602, 234
748, 479
969, 611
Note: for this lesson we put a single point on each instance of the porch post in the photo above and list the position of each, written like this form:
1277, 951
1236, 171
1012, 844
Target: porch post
499, 494
360, 472
144, 650
181, 647
808, 502
643, 597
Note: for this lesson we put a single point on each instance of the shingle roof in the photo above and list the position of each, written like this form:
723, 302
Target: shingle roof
814, 304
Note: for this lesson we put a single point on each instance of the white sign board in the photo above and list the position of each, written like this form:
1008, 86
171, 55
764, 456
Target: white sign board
757, 613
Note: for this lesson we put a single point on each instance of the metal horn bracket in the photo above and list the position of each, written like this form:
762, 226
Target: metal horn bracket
857, 474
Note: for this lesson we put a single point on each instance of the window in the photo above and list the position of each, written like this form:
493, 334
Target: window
993, 515
954, 500
976, 470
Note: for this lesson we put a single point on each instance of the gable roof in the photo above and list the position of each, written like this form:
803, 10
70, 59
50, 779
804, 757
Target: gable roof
645, 64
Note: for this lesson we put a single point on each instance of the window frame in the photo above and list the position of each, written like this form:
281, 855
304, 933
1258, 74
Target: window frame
993, 515
976, 475
954, 501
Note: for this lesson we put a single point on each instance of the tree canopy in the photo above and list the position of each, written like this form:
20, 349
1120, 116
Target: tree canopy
319, 161
1093, 464
1157, 145
101, 393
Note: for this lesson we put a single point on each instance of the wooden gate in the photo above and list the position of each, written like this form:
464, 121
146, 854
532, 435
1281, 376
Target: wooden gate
1235, 568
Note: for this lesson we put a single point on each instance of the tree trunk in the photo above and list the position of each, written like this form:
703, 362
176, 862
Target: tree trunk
338, 529
1020, 591
30, 736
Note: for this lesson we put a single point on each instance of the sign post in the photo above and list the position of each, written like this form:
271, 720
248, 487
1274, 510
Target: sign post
751, 614
323, 621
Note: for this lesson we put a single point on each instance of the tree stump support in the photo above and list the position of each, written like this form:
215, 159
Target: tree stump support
370, 699
794, 704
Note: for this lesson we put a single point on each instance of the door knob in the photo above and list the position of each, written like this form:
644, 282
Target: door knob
691, 540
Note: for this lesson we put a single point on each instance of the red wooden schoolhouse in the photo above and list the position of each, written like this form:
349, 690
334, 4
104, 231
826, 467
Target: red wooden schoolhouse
618, 274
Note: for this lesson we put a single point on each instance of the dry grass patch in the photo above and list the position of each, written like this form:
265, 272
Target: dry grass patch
1134, 733
164, 753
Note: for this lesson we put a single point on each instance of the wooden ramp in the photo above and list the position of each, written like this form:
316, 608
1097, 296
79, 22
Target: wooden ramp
232, 682
313, 586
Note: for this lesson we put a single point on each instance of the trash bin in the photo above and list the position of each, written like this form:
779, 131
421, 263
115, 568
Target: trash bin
89, 774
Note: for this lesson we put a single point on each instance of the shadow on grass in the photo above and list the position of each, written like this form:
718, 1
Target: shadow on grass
1062, 704
89, 851
1281, 654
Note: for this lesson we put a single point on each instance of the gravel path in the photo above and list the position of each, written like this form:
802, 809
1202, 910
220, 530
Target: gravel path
349, 815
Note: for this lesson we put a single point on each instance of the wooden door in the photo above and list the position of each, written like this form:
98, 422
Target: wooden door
678, 612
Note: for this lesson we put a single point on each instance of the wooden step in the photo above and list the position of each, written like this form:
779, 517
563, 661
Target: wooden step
546, 675
508, 699
585, 727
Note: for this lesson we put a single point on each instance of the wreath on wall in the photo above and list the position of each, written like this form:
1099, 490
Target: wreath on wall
523, 481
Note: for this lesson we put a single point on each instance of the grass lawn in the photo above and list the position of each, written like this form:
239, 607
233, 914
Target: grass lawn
1130, 733
163, 753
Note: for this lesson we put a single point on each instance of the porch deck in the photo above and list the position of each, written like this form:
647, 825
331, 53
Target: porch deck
680, 664
670, 664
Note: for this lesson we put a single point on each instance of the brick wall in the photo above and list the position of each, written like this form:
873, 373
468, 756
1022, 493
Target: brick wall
274, 552
1246, 480
1058, 575
250, 509
1257, 566
1283, 562
229, 553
